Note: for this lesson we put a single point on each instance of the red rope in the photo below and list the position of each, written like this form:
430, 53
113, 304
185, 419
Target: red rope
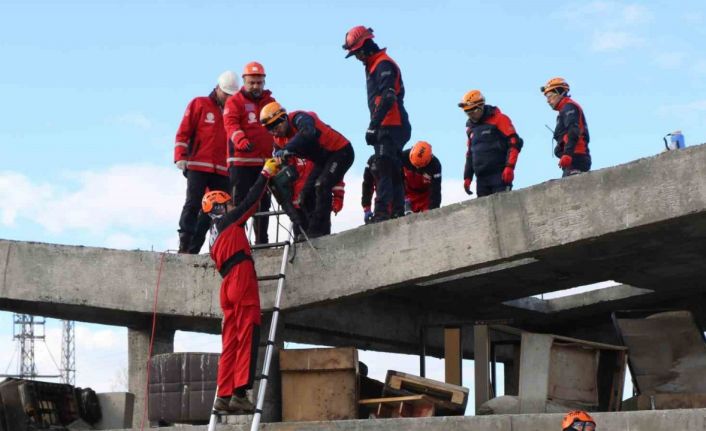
149, 354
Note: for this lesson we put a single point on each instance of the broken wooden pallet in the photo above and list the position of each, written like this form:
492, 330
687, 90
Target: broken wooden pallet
448, 398
413, 406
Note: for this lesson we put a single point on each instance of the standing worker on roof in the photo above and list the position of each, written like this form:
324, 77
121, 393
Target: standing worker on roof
200, 152
389, 128
493, 146
578, 420
303, 134
249, 144
239, 296
571, 131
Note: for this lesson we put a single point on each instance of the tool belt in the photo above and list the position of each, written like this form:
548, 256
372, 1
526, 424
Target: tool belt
232, 261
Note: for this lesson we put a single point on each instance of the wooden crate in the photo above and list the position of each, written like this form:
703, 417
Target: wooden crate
413, 406
319, 384
449, 399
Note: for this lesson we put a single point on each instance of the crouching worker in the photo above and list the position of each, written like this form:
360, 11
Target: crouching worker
422, 178
240, 298
303, 134
578, 420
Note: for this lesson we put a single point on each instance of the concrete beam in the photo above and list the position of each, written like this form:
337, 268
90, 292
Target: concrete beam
643, 222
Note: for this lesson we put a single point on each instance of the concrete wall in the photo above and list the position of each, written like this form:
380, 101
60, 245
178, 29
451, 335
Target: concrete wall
660, 420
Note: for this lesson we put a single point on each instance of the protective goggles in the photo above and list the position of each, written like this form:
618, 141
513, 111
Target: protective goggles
218, 211
583, 426
471, 106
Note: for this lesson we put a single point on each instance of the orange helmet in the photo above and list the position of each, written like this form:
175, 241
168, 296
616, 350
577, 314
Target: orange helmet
420, 155
356, 37
472, 100
271, 113
253, 68
576, 416
554, 84
213, 198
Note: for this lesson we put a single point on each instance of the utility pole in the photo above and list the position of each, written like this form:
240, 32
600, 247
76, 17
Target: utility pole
24, 333
68, 353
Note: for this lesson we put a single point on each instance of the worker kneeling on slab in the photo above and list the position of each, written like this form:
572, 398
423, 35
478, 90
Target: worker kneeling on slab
303, 134
240, 298
493, 146
578, 420
422, 178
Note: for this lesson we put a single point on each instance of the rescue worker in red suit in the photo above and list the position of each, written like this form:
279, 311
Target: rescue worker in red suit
578, 420
239, 296
303, 134
571, 131
200, 152
249, 144
493, 146
389, 128
304, 207
422, 181
422, 178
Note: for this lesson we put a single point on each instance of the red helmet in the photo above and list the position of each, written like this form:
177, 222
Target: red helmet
253, 68
356, 37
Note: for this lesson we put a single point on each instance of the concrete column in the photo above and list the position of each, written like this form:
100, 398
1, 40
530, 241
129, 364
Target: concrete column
138, 345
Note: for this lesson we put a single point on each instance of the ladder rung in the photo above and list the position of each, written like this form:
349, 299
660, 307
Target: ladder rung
269, 245
269, 213
270, 277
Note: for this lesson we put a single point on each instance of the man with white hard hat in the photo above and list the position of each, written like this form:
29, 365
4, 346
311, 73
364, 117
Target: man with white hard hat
200, 153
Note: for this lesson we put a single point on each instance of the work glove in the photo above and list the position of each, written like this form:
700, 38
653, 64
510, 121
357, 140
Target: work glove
371, 136
467, 186
244, 145
367, 215
336, 205
282, 155
565, 161
181, 164
271, 168
508, 175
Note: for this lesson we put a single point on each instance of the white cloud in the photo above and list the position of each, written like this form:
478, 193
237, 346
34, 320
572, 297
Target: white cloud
636, 14
134, 119
121, 241
123, 196
604, 41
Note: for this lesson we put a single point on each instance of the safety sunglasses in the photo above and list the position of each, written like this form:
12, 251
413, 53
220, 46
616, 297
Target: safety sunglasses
583, 426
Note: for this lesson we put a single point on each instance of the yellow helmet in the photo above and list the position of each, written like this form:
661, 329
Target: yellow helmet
554, 84
472, 100
271, 113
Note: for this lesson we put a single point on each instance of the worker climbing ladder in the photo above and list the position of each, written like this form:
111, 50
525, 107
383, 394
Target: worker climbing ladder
287, 246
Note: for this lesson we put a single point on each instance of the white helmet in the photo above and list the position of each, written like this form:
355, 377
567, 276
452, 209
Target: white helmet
228, 82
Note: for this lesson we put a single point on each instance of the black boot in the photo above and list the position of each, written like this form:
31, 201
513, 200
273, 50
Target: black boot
184, 242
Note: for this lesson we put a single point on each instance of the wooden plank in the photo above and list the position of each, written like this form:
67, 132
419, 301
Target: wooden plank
452, 356
481, 360
410, 398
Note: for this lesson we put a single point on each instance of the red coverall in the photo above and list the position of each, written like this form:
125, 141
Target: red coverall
240, 298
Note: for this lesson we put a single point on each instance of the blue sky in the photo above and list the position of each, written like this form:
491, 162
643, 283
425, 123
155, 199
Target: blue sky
93, 92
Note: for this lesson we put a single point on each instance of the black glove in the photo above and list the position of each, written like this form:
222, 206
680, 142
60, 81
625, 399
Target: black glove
371, 136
